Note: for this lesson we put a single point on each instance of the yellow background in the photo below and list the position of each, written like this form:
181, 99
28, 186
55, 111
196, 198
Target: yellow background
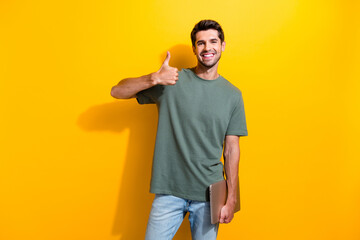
75, 163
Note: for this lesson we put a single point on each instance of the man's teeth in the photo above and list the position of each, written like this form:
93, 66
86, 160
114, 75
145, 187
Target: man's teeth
208, 55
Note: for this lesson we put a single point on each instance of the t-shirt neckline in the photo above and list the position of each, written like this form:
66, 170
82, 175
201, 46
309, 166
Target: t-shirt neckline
192, 70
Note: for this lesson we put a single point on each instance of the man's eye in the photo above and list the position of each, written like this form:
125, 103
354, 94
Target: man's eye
200, 43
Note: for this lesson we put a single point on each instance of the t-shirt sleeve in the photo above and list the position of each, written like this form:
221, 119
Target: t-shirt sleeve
237, 124
150, 95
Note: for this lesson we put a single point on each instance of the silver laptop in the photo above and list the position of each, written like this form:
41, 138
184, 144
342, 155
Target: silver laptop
218, 195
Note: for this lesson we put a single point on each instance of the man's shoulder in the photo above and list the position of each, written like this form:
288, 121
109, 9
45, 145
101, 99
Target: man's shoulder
186, 71
186, 74
231, 87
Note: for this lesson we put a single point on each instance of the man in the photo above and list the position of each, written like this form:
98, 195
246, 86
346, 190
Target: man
200, 115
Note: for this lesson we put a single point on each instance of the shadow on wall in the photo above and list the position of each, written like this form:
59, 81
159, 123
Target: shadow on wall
182, 56
134, 201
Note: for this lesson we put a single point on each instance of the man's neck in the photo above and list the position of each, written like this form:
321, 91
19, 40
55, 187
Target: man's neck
207, 73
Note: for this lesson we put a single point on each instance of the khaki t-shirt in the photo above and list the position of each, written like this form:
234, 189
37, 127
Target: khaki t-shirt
195, 115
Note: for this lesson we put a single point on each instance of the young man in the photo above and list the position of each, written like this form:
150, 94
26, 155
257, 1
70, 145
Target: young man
200, 115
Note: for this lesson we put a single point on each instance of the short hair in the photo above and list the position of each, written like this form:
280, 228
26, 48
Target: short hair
204, 25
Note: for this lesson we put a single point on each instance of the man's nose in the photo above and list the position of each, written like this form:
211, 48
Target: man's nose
207, 46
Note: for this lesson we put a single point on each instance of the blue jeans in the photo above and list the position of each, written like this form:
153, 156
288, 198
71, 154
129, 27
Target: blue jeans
168, 212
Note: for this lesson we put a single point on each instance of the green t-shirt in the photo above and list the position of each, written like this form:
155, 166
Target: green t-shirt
195, 115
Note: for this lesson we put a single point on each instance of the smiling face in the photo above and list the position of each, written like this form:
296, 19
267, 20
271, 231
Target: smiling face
208, 48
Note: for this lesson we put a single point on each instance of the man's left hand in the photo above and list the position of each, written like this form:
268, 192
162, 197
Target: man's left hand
226, 214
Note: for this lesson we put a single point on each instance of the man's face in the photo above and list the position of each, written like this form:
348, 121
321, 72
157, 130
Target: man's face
208, 47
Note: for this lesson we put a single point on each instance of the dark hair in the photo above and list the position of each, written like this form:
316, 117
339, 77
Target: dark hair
206, 25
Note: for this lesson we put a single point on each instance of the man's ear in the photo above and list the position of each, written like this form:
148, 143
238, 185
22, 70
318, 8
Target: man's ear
223, 46
193, 48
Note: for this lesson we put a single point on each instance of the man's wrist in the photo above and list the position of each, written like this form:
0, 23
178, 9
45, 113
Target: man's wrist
231, 203
154, 79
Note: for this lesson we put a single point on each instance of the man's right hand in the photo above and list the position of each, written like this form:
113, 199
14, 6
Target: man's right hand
166, 75
129, 87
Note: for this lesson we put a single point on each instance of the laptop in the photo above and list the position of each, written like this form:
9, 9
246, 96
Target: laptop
218, 195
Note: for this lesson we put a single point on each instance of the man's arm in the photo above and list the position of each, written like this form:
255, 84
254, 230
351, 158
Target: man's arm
129, 87
231, 162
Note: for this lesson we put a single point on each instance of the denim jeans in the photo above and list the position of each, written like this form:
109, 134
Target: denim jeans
168, 212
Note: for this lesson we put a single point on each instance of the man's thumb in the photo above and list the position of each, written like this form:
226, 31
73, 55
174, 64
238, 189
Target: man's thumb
167, 59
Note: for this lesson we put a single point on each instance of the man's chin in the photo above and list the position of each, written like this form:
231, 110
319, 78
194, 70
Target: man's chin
208, 65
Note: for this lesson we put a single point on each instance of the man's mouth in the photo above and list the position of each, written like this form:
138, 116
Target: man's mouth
207, 56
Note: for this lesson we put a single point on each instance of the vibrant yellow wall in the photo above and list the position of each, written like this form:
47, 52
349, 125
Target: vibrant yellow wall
75, 163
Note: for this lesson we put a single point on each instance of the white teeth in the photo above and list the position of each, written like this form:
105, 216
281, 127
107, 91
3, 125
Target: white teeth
208, 55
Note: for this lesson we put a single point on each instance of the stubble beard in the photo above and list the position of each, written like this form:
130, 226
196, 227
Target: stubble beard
208, 66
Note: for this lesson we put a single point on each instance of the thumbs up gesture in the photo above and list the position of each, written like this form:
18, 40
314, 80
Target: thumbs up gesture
166, 75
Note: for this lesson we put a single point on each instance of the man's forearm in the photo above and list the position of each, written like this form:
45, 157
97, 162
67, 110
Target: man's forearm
129, 87
231, 160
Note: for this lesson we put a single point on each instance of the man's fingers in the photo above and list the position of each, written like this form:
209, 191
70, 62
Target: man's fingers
167, 59
168, 75
222, 216
224, 220
225, 216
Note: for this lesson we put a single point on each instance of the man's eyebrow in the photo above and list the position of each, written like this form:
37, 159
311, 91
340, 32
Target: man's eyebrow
212, 39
